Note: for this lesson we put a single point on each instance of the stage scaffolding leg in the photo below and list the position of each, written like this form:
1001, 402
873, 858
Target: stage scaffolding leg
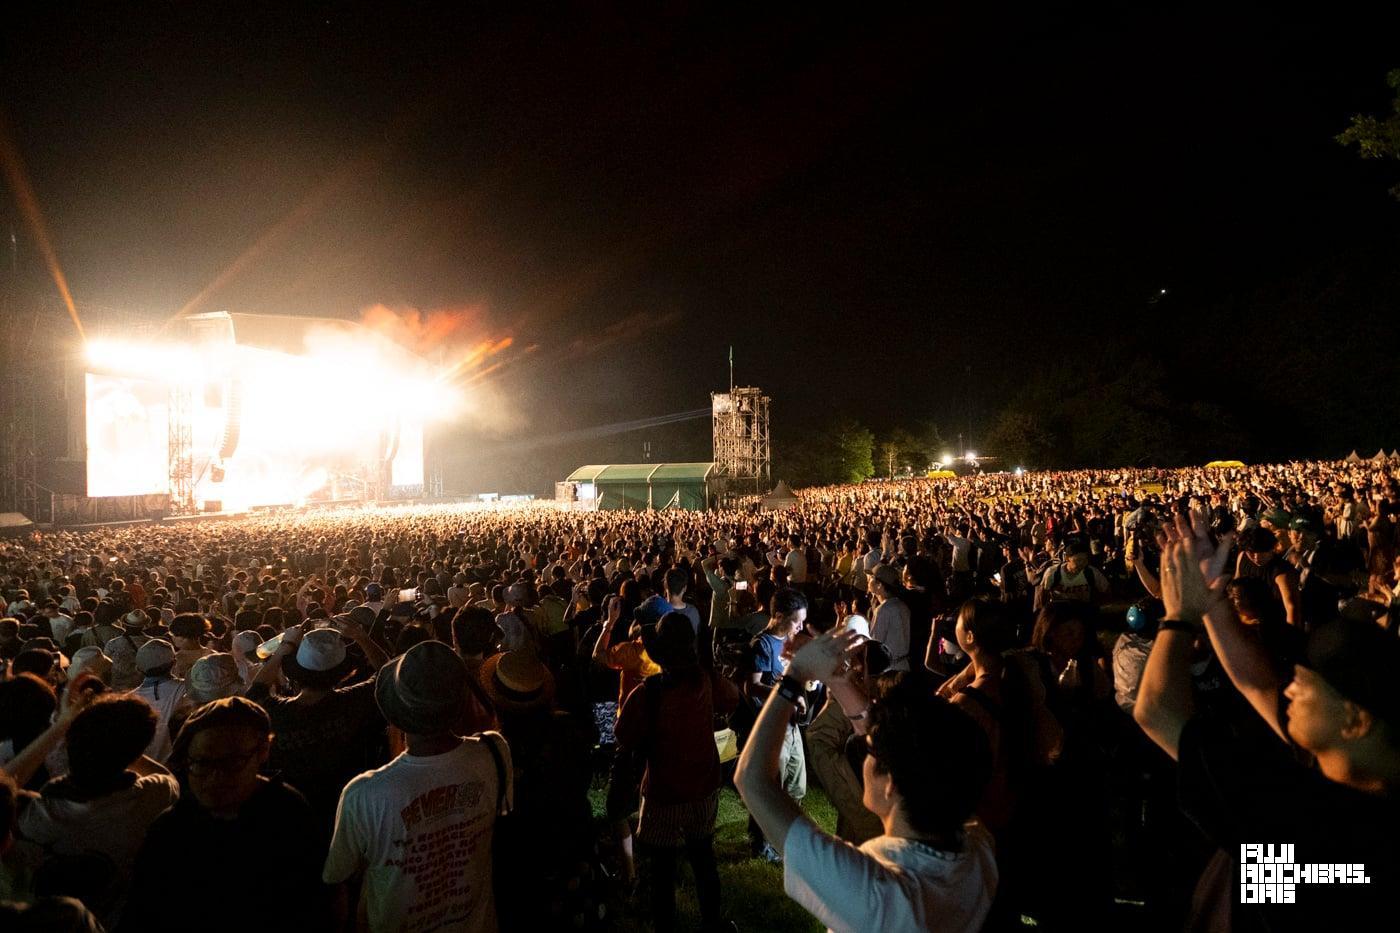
181, 451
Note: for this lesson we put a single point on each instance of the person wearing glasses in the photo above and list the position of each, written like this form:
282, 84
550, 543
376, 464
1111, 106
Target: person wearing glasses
229, 820
933, 867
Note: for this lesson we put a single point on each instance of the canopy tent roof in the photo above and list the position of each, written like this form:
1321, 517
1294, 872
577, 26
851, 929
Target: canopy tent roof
1353, 457
782, 497
1223, 464
642, 473
1379, 457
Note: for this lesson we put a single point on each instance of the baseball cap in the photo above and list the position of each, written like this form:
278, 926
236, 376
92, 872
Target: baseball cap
1358, 659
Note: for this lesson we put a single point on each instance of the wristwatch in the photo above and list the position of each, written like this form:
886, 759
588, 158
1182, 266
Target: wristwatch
790, 689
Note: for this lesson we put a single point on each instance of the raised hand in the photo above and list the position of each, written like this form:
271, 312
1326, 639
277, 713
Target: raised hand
824, 657
1192, 568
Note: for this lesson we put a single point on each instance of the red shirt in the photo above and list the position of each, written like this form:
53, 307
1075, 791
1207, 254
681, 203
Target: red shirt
682, 761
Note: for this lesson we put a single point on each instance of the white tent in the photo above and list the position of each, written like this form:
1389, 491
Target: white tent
1395, 455
1353, 457
782, 497
1379, 457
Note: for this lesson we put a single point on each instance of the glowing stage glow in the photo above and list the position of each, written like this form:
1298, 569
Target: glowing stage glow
344, 419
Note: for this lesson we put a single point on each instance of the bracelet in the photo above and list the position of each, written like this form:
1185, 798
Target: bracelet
861, 716
790, 689
1178, 625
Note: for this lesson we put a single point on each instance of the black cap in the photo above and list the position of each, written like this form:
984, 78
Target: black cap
1359, 660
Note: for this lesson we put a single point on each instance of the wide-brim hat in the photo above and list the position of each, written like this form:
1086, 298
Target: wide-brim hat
154, 655
886, 574
320, 659
423, 690
517, 681
213, 677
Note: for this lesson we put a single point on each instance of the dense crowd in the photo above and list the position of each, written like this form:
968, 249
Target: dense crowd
1066, 699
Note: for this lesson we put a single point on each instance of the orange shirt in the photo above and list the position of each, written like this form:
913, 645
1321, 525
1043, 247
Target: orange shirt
632, 660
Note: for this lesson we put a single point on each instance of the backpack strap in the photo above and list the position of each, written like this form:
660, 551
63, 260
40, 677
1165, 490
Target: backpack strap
487, 739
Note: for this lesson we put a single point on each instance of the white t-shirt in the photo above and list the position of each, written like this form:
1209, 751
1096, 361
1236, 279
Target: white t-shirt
796, 564
962, 552
165, 697
61, 626
1059, 583
421, 827
890, 884
1129, 661
867, 566
891, 629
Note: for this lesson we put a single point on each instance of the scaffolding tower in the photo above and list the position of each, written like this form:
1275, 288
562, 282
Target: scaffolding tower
742, 453
181, 450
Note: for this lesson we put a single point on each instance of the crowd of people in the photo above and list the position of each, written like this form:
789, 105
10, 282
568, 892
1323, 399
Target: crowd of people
1060, 699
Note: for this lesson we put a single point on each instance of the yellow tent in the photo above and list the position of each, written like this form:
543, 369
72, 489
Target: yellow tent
1223, 464
942, 474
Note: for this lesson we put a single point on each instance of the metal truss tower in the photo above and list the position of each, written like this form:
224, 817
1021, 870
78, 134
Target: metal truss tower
742, 452
181, 450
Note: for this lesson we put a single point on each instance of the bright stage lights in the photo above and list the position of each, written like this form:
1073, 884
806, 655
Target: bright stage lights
162, 362
322, 423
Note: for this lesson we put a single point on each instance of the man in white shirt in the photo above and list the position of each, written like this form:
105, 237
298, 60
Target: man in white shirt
60, 624
796, 562
155, 660
892, 625
869, 561
931, 869
418, 831
1073, 578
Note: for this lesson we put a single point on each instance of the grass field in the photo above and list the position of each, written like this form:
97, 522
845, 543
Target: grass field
752, 889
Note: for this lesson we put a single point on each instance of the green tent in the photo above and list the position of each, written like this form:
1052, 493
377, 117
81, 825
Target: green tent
648, 485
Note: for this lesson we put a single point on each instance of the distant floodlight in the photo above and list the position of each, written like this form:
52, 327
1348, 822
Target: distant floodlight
1019, 471
971, 455
1164, 291
947, 458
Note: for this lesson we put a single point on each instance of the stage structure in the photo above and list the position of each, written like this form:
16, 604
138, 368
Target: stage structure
743, 457
224, 412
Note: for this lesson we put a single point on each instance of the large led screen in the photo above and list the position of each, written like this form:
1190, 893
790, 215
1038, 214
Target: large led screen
128, 436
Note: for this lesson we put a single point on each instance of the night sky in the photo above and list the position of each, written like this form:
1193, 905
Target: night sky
889, 216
